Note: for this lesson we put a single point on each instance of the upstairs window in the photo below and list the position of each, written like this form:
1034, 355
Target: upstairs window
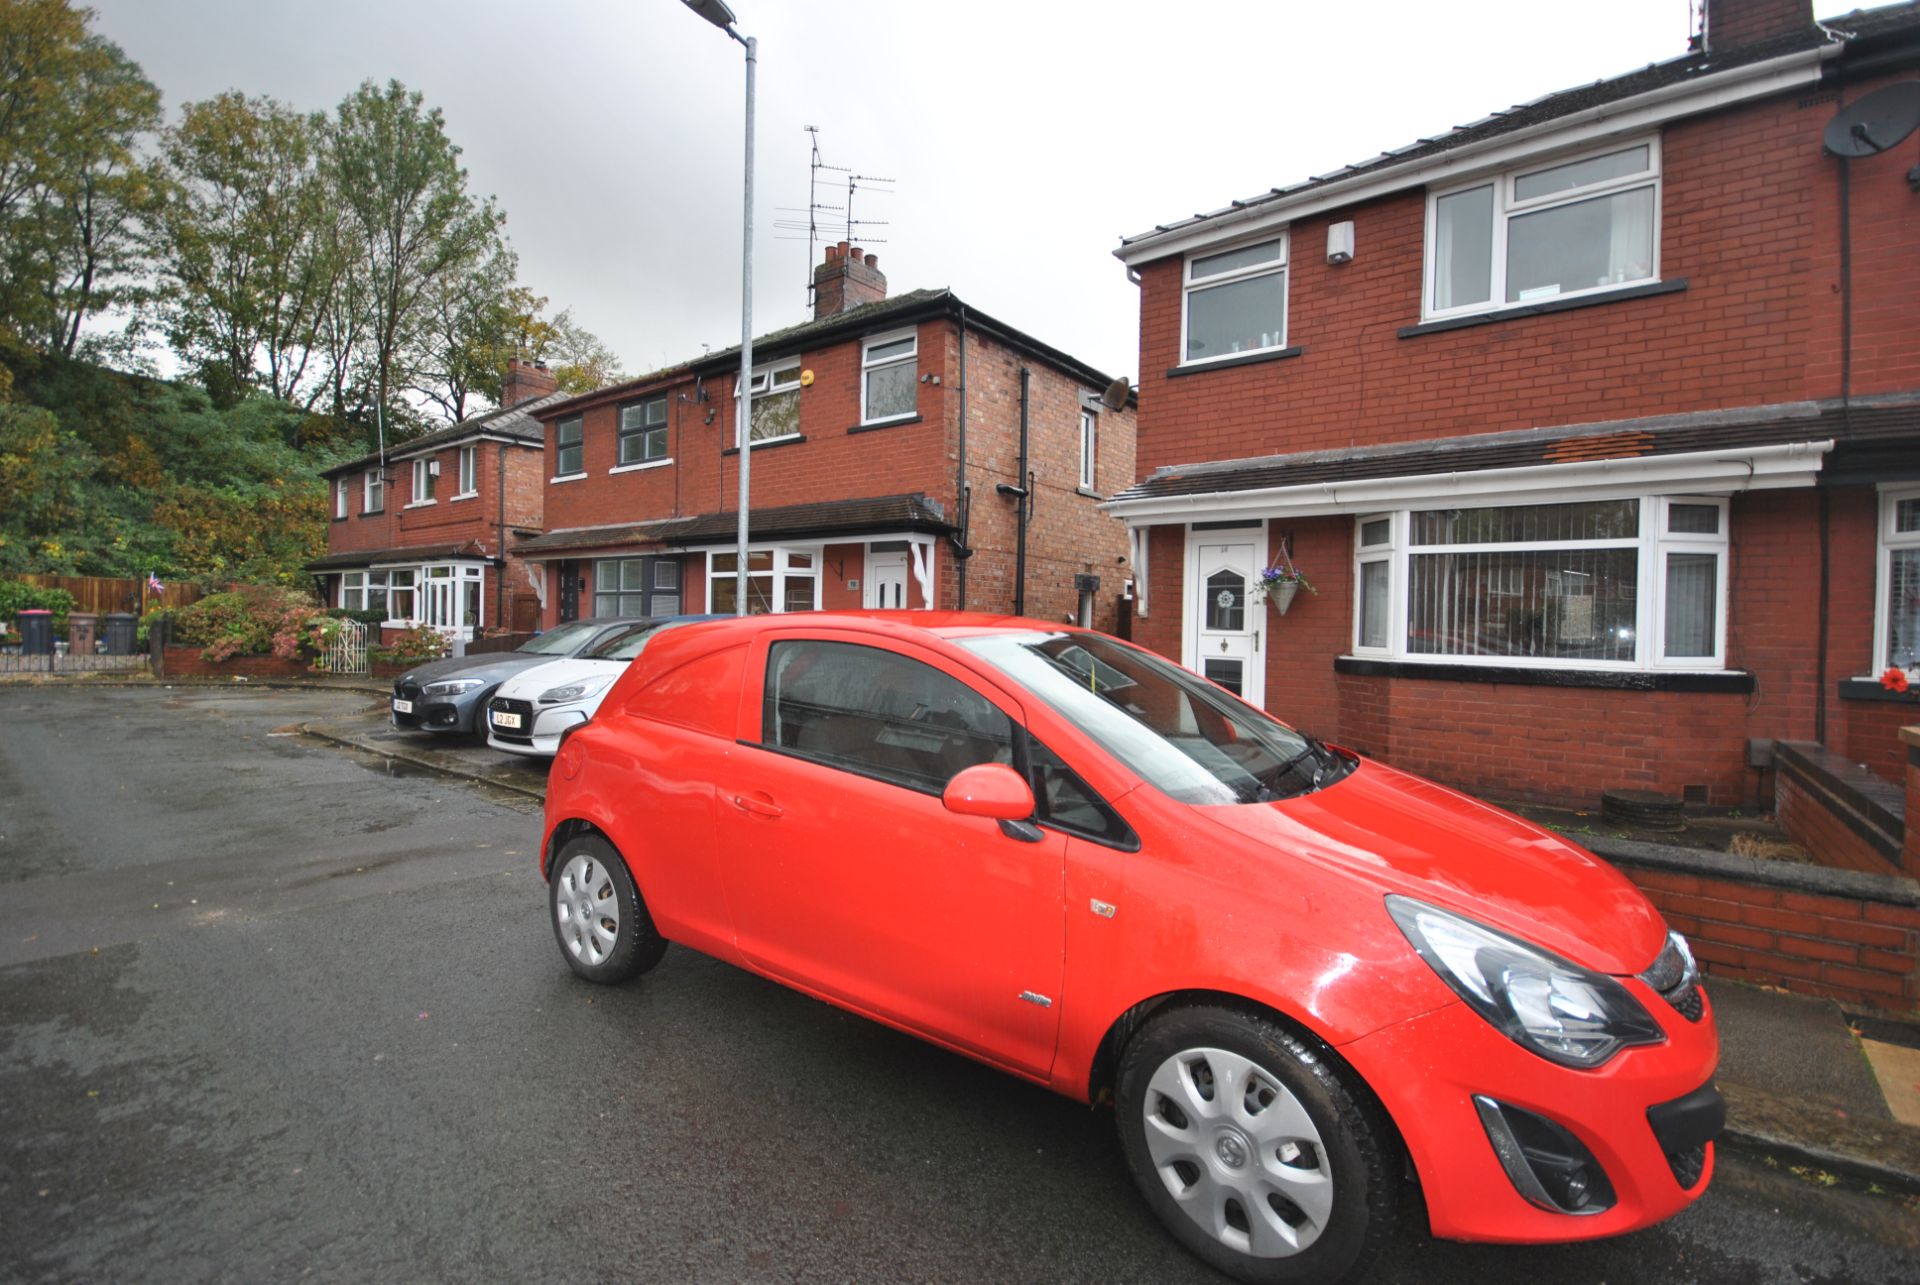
469, 470
1897, 639
373, 492
1089, 442
776, 401
889, 371
1236, 302
569, 457
643, 431
1573, 227
340, 498
425, 473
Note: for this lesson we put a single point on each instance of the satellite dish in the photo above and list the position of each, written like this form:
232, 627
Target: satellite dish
1875, 123
1115, 398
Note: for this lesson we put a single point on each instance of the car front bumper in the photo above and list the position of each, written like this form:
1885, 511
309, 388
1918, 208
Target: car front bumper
1438, 1074
542, 738
454, 715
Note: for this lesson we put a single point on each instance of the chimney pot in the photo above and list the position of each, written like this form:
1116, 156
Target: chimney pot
873, 261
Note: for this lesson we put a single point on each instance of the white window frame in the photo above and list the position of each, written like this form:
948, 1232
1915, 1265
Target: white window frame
420, 575
1506, 208
782, 570
373, 492
469, 468
1089, 448
339, 499
356, 586
423, 476
1653, 543
765, 385
1889, 540
868, 365
1189, 287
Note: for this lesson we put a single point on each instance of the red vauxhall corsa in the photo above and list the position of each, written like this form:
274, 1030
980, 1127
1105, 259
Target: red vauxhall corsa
1287, 966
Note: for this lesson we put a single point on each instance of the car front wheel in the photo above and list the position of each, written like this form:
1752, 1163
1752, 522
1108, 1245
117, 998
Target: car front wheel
1253, 1150
602, 924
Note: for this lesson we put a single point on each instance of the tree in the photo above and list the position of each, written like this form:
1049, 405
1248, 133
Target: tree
578, 358
409, 223
71, 108
240, 242
472, 319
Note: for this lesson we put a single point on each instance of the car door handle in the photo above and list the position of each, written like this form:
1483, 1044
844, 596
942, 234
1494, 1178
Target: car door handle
762, 806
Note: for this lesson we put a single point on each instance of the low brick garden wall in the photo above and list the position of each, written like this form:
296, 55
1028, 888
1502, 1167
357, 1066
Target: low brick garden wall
1843, 934
186, 662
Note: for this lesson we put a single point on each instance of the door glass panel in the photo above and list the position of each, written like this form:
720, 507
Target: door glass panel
879, 714
1227, 672
1227, 601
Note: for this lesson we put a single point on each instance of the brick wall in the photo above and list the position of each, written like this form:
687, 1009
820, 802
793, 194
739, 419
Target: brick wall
187, 662
1813, 822
1841, 944
1910, 846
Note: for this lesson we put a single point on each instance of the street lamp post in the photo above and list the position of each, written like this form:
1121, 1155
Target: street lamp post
716, 12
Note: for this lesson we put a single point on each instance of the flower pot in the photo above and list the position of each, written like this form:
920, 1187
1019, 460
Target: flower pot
1281, 595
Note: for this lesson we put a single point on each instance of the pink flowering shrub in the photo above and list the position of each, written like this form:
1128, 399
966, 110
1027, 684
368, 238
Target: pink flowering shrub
256, 620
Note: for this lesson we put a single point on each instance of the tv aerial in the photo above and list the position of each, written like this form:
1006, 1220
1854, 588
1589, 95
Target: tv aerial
1881, 120
825, 220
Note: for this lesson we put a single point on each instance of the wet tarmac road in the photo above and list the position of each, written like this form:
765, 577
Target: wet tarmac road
267, 1011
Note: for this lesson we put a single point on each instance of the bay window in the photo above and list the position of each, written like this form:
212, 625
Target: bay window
889, 374
778, 579
1573, 227
1897, 633
1622, 583
1236, 302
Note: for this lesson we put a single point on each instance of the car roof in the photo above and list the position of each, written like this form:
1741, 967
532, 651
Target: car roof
939, 624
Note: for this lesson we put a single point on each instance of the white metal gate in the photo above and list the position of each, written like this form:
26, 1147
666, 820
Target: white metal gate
347, 654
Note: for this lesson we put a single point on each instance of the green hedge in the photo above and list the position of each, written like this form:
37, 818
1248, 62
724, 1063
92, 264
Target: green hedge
17, 596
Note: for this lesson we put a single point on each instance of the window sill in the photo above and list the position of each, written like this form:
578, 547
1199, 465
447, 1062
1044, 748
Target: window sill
567, 477
1550, 305
374, 513
1630, 680
879, 424
464, 495
790, 439
1244, 359
1089, 492
342, 518
643, 464
422, 504
1869, 689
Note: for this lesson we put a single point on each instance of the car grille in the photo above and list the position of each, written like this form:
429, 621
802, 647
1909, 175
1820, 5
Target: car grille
507, 706
408, 691
1677, 979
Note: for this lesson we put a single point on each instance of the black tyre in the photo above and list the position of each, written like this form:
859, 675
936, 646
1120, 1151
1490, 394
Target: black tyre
602, 925
1253, 1150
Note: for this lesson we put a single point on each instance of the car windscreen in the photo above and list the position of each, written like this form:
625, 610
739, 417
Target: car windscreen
629, 644
561, 640
1176, 731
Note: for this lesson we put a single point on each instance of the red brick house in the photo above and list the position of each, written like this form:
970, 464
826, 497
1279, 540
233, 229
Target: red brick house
907, 452
1595, 423
428, 534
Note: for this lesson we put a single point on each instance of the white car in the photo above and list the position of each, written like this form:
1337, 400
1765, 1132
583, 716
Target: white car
531, 711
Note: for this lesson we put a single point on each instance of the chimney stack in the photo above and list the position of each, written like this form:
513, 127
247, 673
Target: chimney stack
1732, 24
525, 381
847, 279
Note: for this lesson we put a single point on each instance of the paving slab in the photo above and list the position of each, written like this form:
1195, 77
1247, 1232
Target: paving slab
1794, 1046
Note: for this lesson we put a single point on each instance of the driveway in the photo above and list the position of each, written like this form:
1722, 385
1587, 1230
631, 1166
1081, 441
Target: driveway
268, 1010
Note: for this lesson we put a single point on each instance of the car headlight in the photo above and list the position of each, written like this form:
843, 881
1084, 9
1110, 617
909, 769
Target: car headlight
574, 691
1563, 1012
453, 686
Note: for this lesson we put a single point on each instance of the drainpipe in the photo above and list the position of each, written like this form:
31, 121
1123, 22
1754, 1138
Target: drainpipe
1025, 500
500, 535
960, 474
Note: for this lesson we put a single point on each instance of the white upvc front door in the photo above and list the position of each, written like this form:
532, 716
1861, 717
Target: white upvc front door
1225, 624
886, 581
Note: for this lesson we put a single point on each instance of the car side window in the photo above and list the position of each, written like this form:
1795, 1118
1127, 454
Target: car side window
879, 714
1065, 802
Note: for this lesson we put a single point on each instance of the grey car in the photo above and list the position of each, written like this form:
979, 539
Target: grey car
448, 695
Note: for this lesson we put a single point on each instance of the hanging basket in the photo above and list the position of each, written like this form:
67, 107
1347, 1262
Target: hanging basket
1281, 595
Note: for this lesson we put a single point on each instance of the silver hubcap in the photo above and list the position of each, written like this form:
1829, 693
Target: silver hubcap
586, 909
1238, 1153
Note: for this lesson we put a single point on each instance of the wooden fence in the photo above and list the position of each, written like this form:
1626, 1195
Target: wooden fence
102, 594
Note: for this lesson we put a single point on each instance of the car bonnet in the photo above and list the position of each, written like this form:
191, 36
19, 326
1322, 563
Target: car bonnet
528, 684
1411, 836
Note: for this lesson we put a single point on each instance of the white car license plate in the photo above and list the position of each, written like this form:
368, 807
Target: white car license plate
402, 707
501, 719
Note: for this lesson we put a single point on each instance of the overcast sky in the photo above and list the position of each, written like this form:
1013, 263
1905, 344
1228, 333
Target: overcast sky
1026, 138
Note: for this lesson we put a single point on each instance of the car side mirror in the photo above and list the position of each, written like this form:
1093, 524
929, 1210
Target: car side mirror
991, 790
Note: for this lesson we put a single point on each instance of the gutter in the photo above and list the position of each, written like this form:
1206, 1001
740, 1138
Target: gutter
1757, 468
1669, 102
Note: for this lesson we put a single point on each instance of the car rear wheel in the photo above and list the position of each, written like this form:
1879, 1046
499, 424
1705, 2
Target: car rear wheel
602, 925
1252, 1149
